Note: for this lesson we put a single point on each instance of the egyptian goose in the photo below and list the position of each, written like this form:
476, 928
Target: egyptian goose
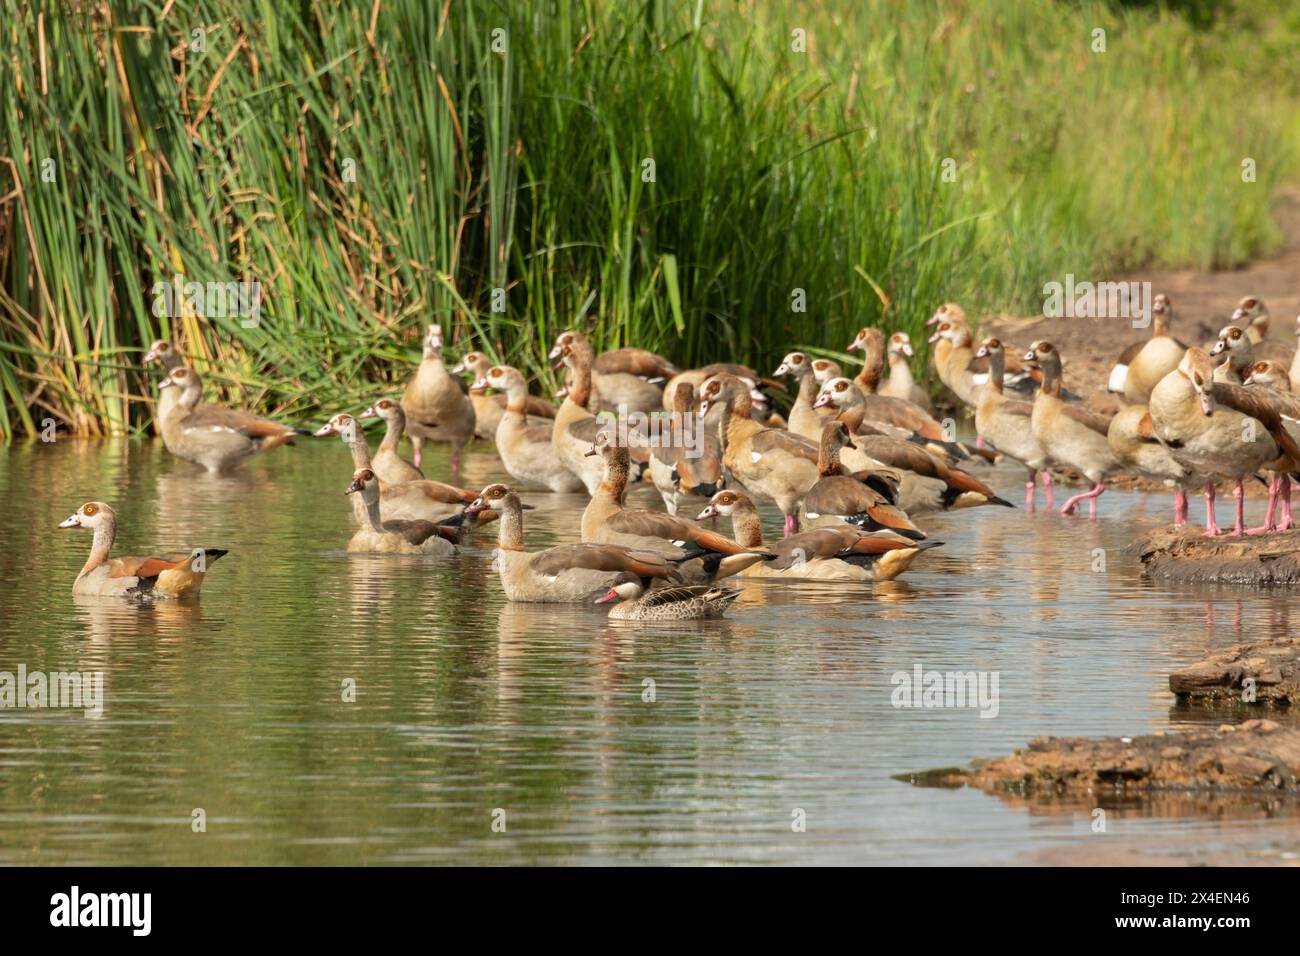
953, 354
395, 536
1005, 423
1133, 439
1238, 353
640, 362
387, 462
682, 602
901, 383
411, 500
435, 403
833, 553
1143, 364
928, 482
1213, 440
689, 464
824, 370
1070, 434
173, 576
775, 463
215, 437
1272, 379
565, 573
838, 497
698, 553
618, 392
1252, 313
575, 425
697, 376
169, 357
803, 419
526, 450
897, 412
488, 409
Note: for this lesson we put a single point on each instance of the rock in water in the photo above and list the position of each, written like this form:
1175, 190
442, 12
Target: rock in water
1263, 673
1257, 756
1187, 557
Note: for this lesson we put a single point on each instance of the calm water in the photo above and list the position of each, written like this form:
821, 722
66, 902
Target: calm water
466, 704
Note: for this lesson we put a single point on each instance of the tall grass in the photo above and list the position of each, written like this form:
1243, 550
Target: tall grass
488, 165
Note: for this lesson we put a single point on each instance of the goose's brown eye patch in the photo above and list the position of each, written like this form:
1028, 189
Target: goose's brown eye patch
88, 509
796, 359
496, 371
993, 344
1249, 304
840, 386
1235, 333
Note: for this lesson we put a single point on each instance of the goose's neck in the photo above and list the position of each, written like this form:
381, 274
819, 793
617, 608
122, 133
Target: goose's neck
101, 545
580, 389
997, 370
510, 536
360, 449
371, 497
869, 377
828, 458
614, 484
517, 399
396, 424
746, 527
807, 387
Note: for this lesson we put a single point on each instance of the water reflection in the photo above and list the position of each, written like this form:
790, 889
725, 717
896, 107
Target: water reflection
601, 742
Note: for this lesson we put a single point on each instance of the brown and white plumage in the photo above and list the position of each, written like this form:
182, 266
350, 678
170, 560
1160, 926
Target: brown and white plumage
395, 535
387, 461
565, 573
171, 576
215, 437
436, 406
1006, 423
488, 409
832, 553
682, 602
526, 448
1070, 434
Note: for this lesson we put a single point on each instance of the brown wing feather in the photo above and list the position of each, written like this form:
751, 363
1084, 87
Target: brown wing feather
656, 524
1095, 420
599, 557
635, 362
840, 495
1257, 405
775, 439
904, 414
210, 416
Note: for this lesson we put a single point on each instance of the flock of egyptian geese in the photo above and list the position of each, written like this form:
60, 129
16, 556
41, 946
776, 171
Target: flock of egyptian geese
850, 466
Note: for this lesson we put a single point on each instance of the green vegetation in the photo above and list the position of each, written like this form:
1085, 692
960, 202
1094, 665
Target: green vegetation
379, 166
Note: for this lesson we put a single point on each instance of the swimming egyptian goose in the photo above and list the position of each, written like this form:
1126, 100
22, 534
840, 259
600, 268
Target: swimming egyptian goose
435, 403
406, 500
928, 482
395, 536
901, 383
803, 419
1208, 427
173, 576
387, 461
1252, 314
697, 552
1005, 423
1143, 364
575, 425
488, 409
771, 462
617, 392
1070, 434
688, 464
215, 437
526, 449
682, 602
565, 573
838, 497
833, 553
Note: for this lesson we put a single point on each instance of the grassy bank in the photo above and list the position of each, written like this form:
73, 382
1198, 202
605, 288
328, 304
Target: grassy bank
378, 167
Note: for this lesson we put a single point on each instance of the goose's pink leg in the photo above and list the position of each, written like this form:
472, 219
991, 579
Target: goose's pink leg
1285, 496
1211, 526
1047, 483
1029, 492
1180, 508
419, 448
455, 461
1239, 493
1088, 496
979, 441
1270, 517
791, 525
